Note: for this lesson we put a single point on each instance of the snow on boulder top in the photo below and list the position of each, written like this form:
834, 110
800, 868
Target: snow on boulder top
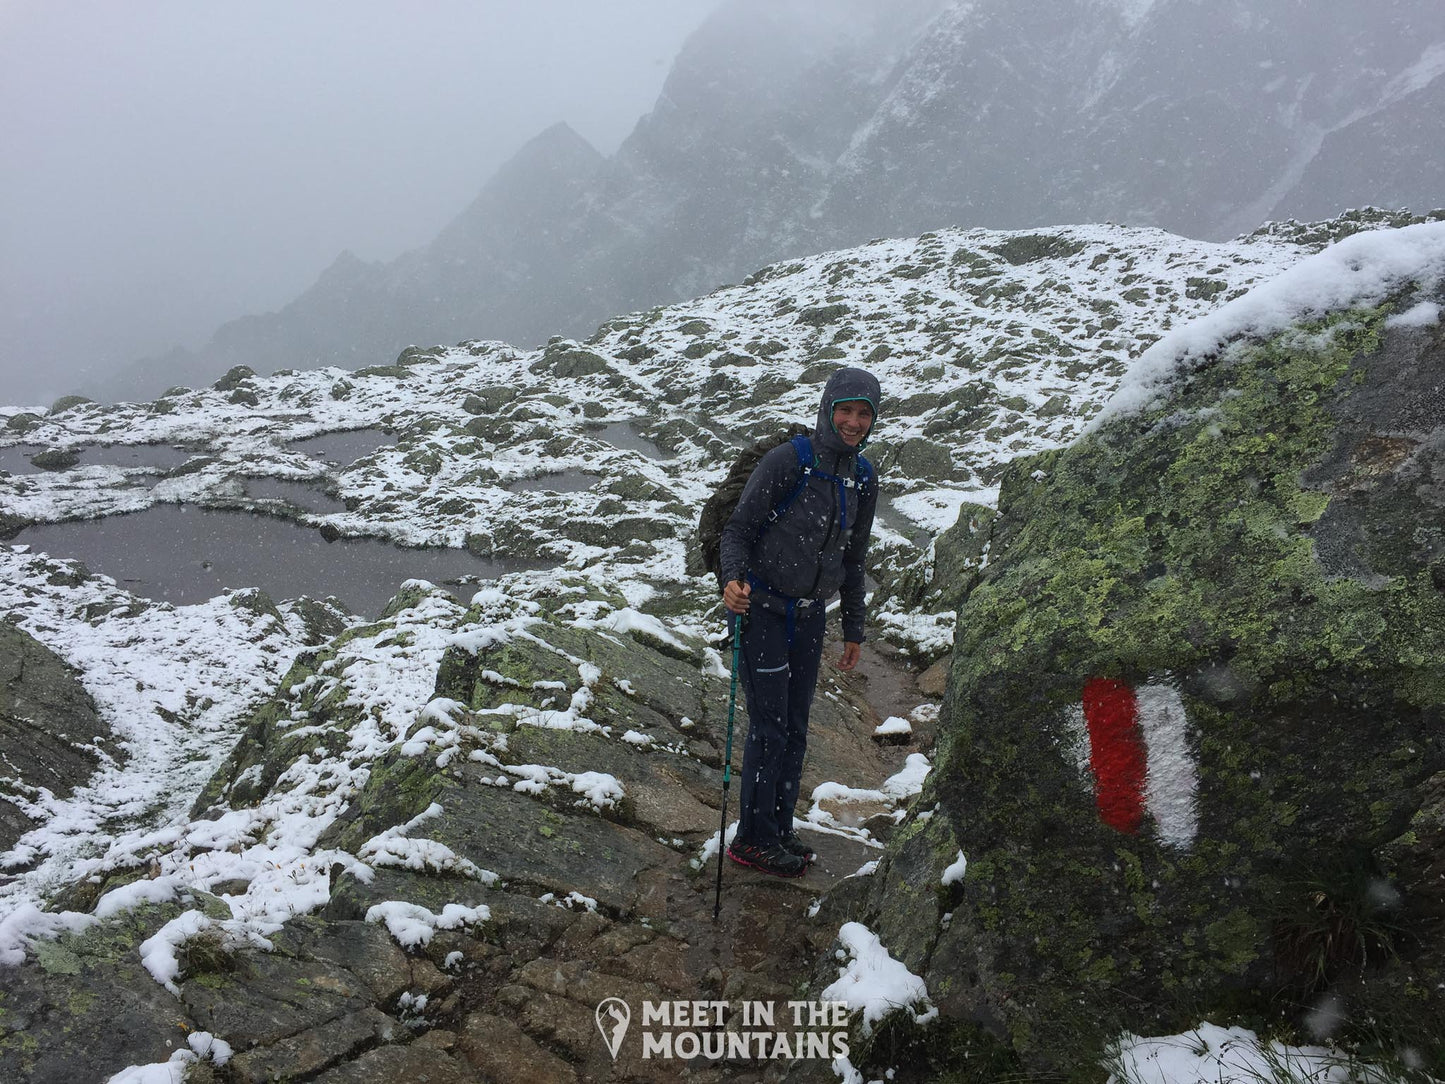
1364, 269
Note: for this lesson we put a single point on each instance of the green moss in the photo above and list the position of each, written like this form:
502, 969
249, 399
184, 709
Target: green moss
399, 788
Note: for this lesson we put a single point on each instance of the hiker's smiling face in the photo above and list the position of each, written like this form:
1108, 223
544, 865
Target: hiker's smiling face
852, 418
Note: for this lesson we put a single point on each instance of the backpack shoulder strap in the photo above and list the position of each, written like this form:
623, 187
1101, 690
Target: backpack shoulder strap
863, 472
803, 447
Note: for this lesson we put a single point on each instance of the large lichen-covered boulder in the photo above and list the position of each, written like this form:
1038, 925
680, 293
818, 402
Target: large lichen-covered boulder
1192, 744
86, 1008
51, 738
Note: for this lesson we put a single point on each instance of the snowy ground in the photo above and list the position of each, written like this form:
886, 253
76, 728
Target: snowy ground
992, 351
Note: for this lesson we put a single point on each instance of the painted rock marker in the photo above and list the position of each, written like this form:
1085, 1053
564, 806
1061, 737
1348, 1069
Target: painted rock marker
1140, 758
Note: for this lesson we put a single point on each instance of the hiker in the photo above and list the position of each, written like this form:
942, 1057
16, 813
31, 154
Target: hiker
782, 559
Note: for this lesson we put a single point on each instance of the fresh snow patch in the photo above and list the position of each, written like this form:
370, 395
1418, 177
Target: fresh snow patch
203, 1045
709, 849
1214, 1055
1425, 314
28, 923
394, 847
139, 893
628, 620
908, 781
412, 924
158, 952
874, 982
1364, 269
598, 789
601, 791
893, 725
936, 510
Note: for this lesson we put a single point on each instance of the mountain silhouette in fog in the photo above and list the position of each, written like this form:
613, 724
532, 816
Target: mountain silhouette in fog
787, 128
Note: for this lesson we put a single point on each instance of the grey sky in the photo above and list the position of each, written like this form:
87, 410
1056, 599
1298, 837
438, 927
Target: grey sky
171, 164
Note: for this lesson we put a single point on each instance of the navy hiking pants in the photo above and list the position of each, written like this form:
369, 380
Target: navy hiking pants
779, 675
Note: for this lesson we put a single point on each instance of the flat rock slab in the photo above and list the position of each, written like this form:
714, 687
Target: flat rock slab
500, 1050
268, 997
316, 1049
419, 1063
668, 792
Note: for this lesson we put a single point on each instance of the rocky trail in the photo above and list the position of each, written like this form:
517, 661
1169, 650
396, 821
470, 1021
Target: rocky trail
581, 908
762, 947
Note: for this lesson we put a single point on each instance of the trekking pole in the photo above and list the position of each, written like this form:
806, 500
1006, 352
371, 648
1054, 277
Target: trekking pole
737, 624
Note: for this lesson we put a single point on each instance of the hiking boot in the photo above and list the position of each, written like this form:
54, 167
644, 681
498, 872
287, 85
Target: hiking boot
772, 858
793, 845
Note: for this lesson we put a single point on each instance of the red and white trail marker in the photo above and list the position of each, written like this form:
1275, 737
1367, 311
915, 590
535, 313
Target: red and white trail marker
1139, 756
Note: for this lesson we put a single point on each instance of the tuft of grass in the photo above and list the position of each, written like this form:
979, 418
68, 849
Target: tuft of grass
1343, 920
1241, 1060
938, 1052
207, 953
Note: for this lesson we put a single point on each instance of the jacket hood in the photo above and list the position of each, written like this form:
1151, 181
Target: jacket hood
843, 385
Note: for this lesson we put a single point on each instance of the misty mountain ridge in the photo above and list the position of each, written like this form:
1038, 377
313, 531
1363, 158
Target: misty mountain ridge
785, 129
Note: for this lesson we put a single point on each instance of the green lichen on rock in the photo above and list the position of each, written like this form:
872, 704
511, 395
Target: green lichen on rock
312, 708
1026, 248
66, 402
1257, 544
51, 734
23, 422
391, 372
536, 672
55, 459
819, 315
567, 359
235, 376
86, 1007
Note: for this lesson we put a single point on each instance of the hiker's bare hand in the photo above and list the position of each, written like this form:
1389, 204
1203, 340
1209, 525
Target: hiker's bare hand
851, 652
735, 596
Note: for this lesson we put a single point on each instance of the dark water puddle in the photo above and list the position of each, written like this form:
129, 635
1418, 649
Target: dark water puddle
159, 456
16, 459
345, 447
154, 456
625, 435
182, 554
302, 495
572, 481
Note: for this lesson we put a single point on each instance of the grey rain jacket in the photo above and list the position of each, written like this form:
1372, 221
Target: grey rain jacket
807, 553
